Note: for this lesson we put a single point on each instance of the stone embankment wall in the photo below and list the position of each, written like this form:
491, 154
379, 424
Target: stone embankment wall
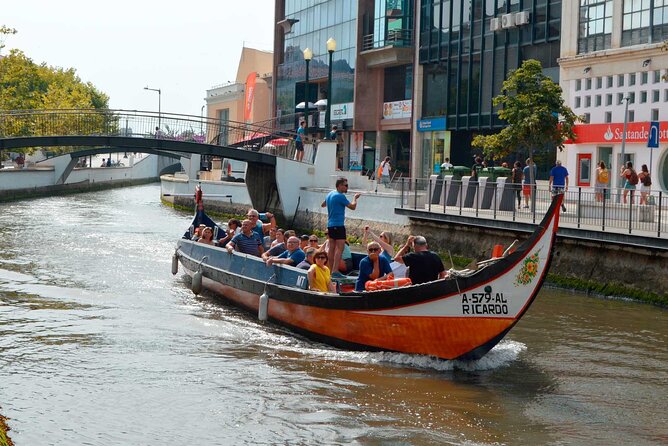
72, 188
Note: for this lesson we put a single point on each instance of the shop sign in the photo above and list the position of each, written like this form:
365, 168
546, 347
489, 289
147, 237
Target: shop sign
342, 111
431, 125
636, 132
397, 109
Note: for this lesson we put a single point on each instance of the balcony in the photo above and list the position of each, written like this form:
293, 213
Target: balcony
396, 49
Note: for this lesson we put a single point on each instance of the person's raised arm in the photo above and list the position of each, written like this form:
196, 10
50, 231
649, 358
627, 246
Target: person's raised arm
383, 244
353, 204
404, 249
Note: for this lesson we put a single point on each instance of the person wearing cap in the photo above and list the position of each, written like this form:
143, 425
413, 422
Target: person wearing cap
559, 182
423, 265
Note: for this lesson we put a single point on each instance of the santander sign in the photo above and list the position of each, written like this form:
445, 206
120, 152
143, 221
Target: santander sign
636, 132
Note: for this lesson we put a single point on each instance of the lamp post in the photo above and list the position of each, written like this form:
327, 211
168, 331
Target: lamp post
627, 99
308, 55
331, 47
159, 102
201, 120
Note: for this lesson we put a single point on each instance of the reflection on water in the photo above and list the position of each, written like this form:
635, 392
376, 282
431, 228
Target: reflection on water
100, 345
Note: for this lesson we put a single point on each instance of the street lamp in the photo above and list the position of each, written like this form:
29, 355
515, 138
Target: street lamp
331, 47
627, 99
308, 55
159, 102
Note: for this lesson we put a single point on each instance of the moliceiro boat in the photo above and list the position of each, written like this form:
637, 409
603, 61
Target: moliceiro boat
460, 317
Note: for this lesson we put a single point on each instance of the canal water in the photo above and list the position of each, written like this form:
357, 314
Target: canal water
101, 345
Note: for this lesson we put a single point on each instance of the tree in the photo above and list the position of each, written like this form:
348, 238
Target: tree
532, 105
5, 31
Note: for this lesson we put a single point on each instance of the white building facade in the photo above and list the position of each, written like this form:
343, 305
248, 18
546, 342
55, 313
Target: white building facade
613, 62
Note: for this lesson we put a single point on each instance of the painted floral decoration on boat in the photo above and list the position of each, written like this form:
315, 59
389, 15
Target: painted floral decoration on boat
529, 270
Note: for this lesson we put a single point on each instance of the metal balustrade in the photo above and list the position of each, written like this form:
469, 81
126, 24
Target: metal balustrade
264, 137
498, 201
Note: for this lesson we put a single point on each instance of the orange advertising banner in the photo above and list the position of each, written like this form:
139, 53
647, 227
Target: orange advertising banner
250, 94
636, 132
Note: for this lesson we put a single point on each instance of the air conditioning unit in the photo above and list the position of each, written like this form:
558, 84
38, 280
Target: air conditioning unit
508, 20
495, 24
522, 18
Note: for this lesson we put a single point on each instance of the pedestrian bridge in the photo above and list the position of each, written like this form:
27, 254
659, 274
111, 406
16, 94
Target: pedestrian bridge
140, 131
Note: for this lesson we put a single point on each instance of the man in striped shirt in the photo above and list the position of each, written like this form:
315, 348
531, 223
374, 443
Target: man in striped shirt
247, 241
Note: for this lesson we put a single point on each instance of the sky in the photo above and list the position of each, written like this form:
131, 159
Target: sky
182, 48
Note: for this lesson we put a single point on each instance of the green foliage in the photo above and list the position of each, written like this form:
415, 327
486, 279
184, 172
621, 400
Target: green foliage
532, 105
24, 85
611, 289
5, 31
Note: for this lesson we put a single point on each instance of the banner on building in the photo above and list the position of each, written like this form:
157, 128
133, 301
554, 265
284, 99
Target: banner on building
397, 109
356, 150
250, 94
636, 132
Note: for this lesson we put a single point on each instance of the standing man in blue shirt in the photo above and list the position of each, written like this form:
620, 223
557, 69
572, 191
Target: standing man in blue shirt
336, 204
559, 182
299, 141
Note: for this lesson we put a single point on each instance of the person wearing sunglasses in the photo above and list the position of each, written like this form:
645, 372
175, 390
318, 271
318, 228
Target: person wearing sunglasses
372, 267
336, 204
319, 278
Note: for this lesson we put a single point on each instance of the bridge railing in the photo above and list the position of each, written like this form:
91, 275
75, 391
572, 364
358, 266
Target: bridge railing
145, 124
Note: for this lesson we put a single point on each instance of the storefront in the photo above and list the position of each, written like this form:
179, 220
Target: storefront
435, 143
603, 142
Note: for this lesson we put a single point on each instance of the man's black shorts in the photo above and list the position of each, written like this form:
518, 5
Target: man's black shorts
299, 146
336, 232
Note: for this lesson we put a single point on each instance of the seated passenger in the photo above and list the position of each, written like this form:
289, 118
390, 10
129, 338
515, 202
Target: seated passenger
423, 264
198, 233
319, 278
346, 264
292, 256
247, 242
313, 241
384, 240
308, 261
233, 228
279, 248
207, 236
303, 241
372, 267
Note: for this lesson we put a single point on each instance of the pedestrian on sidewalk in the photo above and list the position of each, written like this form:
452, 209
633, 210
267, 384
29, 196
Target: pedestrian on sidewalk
516, 177
529, 182
602, 179
559, 182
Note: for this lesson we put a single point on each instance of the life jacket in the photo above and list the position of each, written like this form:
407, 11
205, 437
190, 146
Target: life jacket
375, 285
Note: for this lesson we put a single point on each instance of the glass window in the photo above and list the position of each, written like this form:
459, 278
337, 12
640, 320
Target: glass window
632, 116
578, 84
656, 95
597, 100
643, 97
655, 114
644, 77
632, 79
587, 118
620, 80
587, 101
620, 98
595, 25
608, 117
637, 24
609, 81
608, 99
599, 82
588, 84
632, 97
577, 102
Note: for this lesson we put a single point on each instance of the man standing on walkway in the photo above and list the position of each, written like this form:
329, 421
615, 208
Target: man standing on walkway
299, 141
423, 265
529, 182
559, 182
336, 204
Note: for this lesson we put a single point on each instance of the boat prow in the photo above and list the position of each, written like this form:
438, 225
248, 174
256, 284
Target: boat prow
460, 317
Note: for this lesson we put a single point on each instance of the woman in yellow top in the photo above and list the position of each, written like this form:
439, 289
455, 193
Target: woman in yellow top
319, 278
